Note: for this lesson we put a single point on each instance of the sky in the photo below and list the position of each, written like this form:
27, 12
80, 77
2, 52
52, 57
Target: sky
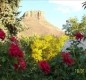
55, 11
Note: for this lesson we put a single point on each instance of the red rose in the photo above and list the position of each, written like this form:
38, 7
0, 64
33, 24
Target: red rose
44, 66
67, 59
15, 66
13, 39
2, 34
22, 64
78, 35
15, 51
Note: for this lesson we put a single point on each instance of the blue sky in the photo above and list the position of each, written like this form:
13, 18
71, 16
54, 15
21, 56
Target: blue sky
56, 11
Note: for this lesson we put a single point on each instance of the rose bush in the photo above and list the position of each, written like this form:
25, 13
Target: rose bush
12, 61
44, 66
17, 62
67, 65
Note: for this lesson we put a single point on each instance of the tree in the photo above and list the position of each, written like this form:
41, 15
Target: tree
75, 26
8, 15
84, 4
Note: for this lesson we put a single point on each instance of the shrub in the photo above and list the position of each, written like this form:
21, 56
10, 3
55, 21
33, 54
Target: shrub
12, 62
17, 61
45, 47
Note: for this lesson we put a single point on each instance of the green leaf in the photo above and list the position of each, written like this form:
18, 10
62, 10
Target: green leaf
3, 59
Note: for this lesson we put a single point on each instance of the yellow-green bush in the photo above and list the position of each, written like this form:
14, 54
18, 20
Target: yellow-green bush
46, 47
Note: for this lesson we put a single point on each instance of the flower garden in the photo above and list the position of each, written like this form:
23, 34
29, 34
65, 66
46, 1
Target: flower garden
41, 58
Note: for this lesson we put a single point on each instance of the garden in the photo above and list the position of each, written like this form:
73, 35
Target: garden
39, 57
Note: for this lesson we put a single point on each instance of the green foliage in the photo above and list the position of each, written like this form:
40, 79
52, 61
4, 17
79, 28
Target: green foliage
6, 67
8, 16
11, 25
73, 25
40, 48
59, 70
